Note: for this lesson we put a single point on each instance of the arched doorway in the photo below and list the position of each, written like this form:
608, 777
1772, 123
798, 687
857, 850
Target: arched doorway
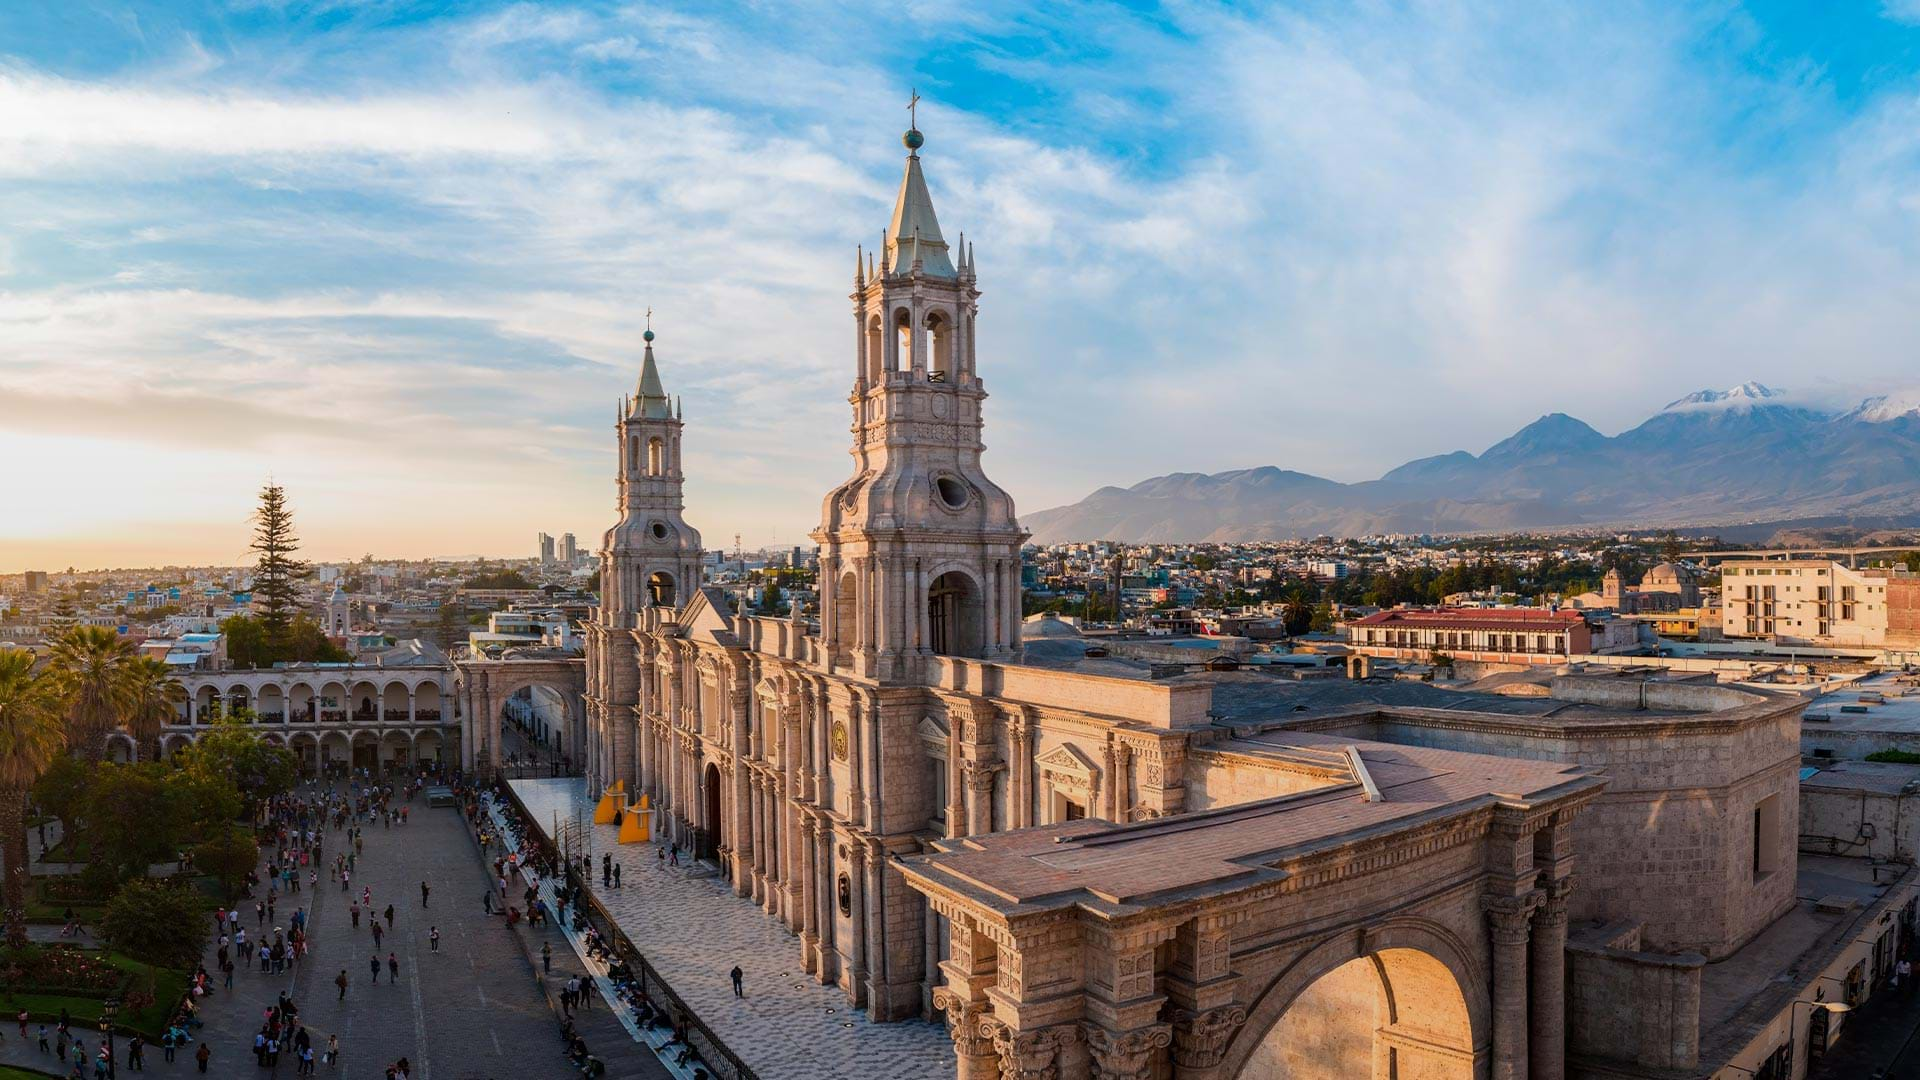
660, 588
1394, 1013
955, 616
712, 835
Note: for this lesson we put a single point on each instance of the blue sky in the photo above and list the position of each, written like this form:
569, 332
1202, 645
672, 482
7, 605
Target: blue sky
397, 255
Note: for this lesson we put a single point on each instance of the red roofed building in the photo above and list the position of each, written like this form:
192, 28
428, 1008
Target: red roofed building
1492, 635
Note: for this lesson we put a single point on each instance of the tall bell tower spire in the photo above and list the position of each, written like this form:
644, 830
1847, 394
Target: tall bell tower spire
920, 551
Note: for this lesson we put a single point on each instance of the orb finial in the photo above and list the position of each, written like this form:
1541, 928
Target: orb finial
913, 139
648, 336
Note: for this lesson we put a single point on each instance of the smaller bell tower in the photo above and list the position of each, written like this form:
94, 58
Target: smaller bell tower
652, 558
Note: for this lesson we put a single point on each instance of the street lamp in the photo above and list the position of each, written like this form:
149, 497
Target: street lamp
108, 1010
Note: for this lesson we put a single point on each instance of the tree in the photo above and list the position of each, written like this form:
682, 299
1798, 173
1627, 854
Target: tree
1322, 619
499, 579
450, 625
206, 804
1670, 547
304, 641
152, 699
33, 736
159, 923
91, 661
770, 596
276, 573
62, 788
228, 856
131, 819
258, 769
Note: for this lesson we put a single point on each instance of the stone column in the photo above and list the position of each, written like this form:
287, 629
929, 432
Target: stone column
970, 969
1030, 1055
809, 912
824, 900
1508, 922
1548, 1042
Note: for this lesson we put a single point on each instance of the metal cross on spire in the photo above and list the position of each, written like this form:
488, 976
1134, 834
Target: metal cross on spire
913, 115
649, 318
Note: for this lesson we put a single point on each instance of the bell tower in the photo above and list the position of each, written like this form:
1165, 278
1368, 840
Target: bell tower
652, 557
920, 551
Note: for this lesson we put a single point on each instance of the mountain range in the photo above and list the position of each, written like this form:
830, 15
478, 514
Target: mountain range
1747, 455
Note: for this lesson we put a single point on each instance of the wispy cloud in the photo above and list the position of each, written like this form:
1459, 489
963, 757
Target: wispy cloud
418, 250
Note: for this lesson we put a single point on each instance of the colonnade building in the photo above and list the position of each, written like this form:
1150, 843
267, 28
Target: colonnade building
1092, 871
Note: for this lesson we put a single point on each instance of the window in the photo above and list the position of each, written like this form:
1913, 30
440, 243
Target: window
937, 784
1766, 836
843, 888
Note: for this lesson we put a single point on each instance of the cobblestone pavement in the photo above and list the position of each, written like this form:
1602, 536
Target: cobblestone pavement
472, 1011
693, 929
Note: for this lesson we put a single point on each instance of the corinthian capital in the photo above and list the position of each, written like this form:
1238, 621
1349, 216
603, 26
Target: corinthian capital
1200, 1037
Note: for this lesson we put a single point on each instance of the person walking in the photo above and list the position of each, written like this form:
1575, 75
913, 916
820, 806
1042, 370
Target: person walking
616, 875
424, 890
433, 938
333, 1051
389, 916
487, 901
738, 977
546, 963
393, 968
201, 1056
377, 934
373, 962
137, 1054
340, 981
354, 910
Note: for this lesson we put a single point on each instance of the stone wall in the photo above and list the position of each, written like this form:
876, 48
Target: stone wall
1903, 612
1216, 779
1628, 1005
1851, 822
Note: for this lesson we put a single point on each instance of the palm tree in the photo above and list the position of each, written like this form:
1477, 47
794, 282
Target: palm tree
32, 735
91, 661
151, 696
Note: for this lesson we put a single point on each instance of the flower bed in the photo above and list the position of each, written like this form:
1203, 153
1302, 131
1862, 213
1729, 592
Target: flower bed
60, 969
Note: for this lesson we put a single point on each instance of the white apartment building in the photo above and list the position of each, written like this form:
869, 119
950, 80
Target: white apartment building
1805, 601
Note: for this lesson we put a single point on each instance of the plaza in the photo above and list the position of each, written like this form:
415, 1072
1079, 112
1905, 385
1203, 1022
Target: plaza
473, 1009
692, 929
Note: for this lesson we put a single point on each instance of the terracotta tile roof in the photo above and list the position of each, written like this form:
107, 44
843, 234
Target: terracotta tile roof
1458, 618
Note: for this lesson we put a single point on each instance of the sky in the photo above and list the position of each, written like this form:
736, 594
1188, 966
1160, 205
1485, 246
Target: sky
397, 256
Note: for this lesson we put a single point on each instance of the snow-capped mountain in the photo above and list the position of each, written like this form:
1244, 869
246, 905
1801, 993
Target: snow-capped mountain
1751, 453
1886, 408
1745, 396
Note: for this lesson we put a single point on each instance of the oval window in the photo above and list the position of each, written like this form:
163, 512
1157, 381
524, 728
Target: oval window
659, 530
952, 492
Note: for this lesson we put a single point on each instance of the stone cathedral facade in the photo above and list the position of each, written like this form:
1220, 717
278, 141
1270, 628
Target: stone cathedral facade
806, 758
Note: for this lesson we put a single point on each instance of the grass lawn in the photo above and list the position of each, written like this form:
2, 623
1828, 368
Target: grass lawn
15, 1072
169, 985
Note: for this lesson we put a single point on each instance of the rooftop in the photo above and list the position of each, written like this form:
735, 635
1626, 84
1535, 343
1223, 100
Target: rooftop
1888, 703
1224, 850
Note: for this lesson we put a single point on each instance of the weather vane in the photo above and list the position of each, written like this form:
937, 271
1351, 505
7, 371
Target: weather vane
913, 116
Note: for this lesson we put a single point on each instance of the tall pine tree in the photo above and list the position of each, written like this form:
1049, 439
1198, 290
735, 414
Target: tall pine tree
276, 573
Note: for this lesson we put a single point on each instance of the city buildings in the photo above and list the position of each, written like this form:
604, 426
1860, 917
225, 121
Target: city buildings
1813, 601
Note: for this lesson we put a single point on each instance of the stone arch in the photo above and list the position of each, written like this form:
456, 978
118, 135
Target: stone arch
393, 702
206, 704
332, 705
336, 749
956, 612
306, 748
427, 703
876, 349
656, 456
427, 746
662, 590
900, 342
1431, 1014
300, 703
235, 697
120, 748
271, 703
1359, 666
939, 326
363, 701
713, 834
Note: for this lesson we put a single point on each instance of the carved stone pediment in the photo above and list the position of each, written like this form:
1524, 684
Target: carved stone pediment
933, 730
1064, 760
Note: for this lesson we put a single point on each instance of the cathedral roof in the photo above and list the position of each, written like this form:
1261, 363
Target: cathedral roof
915, 232
650, 401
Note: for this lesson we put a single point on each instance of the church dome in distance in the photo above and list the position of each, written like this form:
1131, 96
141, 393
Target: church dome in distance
1666, 573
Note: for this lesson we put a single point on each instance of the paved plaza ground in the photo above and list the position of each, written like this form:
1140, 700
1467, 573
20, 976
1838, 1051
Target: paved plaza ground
472, 1011
693, 929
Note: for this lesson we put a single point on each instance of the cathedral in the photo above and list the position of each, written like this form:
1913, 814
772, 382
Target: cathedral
805, 759
1092, 867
